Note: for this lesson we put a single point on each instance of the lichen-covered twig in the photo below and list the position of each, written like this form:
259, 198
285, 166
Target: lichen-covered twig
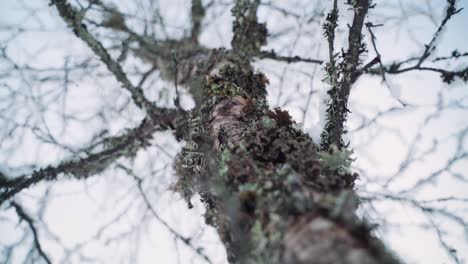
342, 77
74, 18
249, 35
329, 28
114, 147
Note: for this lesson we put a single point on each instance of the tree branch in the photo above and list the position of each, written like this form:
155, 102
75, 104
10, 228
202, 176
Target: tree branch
74, 19
447, 75
430, 47
249, 35
329, 28
197, 15
343, 76
114, 147
272, 55
177, 235
23, 216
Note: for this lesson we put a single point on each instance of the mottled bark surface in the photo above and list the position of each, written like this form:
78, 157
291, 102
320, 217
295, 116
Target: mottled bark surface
265, 187
273, 194
270, 192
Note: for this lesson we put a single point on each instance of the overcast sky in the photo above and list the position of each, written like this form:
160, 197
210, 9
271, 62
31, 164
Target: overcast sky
104, 216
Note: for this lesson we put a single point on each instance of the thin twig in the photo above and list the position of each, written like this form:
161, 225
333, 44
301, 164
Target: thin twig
369, 26
185, 240
25, 216
447, 75
272, 55
176, 73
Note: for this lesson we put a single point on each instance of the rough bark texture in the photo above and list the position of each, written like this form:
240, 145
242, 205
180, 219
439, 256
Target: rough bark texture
266, 189
343, 75
273, 195
270, 192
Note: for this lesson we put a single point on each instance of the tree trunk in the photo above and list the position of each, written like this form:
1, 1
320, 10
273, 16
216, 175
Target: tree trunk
270, 193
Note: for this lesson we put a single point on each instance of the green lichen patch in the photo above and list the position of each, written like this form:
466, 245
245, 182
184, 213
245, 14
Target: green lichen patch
255, 170
268, 122
223, 89
338, 160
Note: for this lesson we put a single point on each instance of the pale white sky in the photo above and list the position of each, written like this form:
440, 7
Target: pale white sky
81, 215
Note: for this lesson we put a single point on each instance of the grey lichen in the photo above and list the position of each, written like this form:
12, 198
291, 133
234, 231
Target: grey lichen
262, 174
249, 35
338, 160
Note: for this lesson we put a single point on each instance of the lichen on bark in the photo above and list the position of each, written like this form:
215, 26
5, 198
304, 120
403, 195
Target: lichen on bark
249, 34
263, 181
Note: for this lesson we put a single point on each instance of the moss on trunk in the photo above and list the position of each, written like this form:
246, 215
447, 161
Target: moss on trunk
266, 188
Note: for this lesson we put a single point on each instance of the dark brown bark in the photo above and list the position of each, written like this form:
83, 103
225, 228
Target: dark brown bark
268, 193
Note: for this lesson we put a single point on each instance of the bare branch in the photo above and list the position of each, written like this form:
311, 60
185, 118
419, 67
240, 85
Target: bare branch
430, 211
447, 75
25, 216
430, 47
272, 55
177, 235
374, 45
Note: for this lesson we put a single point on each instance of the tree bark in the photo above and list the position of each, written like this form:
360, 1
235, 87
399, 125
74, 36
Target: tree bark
266, 189
272, 195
